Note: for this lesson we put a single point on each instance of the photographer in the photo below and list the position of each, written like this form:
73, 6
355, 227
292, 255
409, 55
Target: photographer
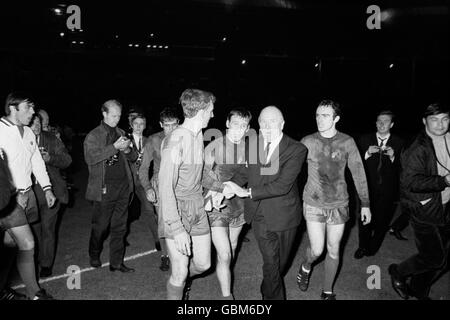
107, 153
381, 154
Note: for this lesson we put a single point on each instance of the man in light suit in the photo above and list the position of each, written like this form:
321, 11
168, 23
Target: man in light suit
273, 207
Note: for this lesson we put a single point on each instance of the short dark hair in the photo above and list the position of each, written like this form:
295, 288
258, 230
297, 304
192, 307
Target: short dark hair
107, 104
16, 98
240, 112
387, 113
332, 104
168, 113
137, 116
194, 100
35, 116
436, 108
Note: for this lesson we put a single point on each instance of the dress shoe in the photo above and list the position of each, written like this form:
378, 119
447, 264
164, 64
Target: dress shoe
397, 234
398, 284
121, 268
95, 262
45, 272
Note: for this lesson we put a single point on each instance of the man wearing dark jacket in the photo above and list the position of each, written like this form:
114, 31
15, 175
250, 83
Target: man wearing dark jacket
380, 152
425, 194
274, 206
107, 153
56, 157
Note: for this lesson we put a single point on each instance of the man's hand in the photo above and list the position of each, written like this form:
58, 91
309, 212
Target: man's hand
373, 149
366, 216
240, 192
22, 200
151, 195
214, 200
447, 179
50, 197
389, 151
122, 143
45, 156
228, 191
183, 243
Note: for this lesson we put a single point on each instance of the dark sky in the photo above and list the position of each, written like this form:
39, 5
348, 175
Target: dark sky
281, 42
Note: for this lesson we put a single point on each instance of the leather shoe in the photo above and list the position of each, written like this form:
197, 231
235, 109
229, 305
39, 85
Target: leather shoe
397, 234
360, 253
122, 268
398, 284
95, 262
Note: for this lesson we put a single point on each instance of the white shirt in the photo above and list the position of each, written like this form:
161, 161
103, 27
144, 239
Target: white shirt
273, 145
136, 141
381, 143
23, 156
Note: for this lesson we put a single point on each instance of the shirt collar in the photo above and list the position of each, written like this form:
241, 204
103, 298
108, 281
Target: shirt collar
386, 138
276, 142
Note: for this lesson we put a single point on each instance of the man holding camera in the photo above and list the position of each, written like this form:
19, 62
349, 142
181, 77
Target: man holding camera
107, 153
381, 154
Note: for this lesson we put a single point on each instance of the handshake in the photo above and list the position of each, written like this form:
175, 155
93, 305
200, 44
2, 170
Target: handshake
213, 199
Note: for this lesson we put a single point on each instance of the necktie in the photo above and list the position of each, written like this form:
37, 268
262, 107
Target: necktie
266, 152
380, 161
140, 144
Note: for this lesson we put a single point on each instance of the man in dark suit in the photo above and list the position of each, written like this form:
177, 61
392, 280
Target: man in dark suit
56, 157
138, 123
273, 206
108, 155
381, 155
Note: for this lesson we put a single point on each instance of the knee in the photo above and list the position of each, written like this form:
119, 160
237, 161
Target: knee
26, 244
224, 257
316, 251
179, 275
333, 251
203, 266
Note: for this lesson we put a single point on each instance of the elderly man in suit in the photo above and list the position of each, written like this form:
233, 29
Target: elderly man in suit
56, 157
381, 154
108, 155
273, 207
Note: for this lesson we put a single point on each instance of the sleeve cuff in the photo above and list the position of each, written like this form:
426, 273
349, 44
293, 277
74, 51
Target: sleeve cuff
365, 204
46, 188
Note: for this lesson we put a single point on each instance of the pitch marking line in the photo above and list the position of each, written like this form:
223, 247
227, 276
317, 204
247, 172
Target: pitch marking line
65, 275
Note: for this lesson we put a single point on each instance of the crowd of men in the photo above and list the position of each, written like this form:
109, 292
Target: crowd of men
196, 195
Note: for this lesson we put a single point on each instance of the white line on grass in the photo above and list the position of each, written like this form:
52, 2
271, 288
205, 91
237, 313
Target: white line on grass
138, 255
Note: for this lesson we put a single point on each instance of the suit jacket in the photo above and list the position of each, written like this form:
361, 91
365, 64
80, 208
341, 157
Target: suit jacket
96, 151
59, 159
386, 178
136, 165
275, 194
